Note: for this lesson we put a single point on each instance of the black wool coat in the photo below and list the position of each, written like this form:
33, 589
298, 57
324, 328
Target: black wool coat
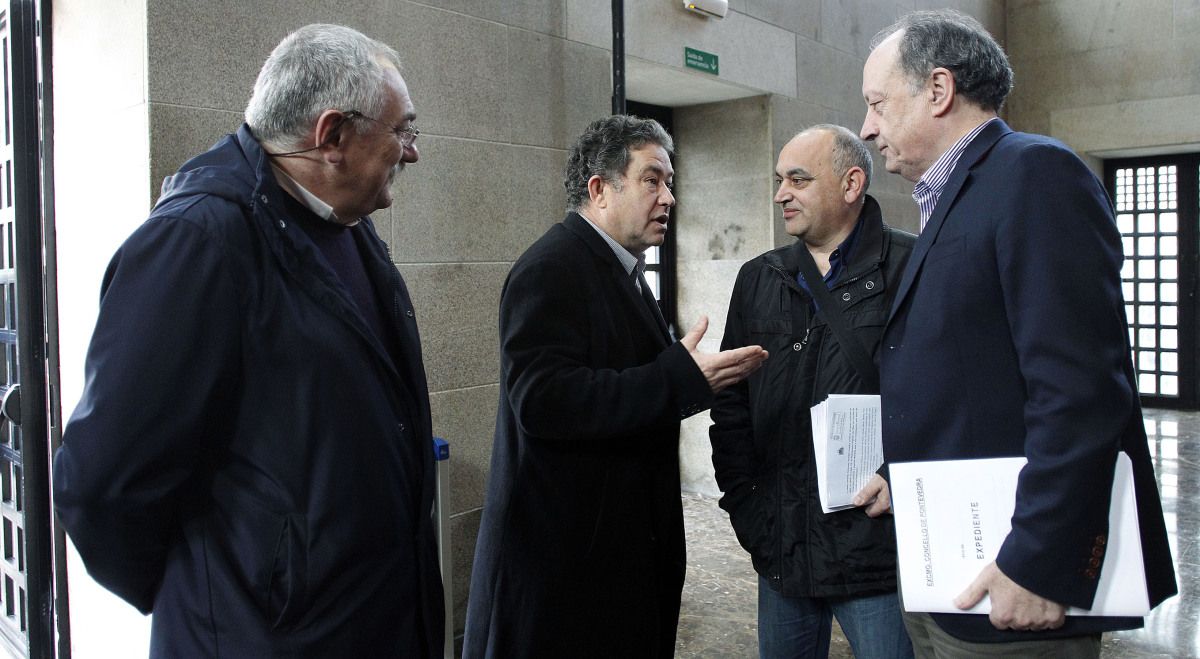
581, 550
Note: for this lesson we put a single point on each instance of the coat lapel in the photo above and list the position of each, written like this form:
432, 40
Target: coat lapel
303, 262
958, 178
655, 312
635, 304
301, 259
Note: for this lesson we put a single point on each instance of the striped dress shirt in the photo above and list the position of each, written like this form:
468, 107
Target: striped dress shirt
929, 187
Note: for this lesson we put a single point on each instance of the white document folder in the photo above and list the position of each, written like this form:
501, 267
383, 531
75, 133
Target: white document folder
847, 447
953, 515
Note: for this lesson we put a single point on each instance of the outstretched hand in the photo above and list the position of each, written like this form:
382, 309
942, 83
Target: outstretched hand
723, 368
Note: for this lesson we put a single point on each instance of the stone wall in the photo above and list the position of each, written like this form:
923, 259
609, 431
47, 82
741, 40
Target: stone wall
501, 88
1108, 77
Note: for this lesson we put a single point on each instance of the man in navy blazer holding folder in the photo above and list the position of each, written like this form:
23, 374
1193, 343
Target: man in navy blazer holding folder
1008, 338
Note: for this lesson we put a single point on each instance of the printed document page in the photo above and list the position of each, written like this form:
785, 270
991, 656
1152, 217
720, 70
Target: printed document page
953, 515
847, 447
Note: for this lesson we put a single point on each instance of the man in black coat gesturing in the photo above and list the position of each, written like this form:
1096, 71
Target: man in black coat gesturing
581, 549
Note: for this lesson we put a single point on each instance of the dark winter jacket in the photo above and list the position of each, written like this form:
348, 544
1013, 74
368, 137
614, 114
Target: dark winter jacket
762, 432
249, 462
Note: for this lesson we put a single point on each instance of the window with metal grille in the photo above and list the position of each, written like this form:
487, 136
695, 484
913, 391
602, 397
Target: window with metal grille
1156, 202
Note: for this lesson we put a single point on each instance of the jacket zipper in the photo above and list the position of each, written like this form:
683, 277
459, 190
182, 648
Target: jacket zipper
777, 571
808, 548
810, 318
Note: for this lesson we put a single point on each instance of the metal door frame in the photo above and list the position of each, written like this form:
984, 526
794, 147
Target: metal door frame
30, 411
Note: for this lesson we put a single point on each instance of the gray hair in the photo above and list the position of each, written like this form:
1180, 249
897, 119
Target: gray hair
314, 69
848, 150
958, 43
603, 150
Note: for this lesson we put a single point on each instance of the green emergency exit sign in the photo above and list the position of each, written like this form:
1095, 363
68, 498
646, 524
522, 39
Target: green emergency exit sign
700, 60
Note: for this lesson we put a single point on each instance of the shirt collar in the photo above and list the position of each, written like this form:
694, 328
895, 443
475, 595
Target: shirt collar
628, 260
839, 260
310, 201
929, 188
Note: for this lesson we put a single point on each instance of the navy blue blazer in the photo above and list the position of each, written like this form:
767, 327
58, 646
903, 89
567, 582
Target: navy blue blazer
1007, 338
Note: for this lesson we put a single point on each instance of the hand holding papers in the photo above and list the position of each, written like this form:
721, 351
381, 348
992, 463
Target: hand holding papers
953, 515
847, 447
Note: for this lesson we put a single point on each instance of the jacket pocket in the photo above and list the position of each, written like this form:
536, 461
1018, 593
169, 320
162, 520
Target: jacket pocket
944, 249
597, 531
284, 592
772, 334
752, 526
760, 326
868, 327
265, 552
838, 374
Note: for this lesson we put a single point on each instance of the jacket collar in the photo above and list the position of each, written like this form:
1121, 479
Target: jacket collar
301, 259
867, 254
971, 157
583, 230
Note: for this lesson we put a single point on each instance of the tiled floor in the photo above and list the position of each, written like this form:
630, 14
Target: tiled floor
719, 598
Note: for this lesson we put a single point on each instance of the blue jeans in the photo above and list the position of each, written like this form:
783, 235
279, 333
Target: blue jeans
799, 627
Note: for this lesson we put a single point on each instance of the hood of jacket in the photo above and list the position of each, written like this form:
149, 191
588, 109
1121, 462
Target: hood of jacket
233, 169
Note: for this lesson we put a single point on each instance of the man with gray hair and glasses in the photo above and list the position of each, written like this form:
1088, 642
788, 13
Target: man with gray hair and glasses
251, 459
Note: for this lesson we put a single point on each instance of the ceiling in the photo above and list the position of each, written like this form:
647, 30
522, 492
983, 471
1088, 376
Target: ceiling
659, 84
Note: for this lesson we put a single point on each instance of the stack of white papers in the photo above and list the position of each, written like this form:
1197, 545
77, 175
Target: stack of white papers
847, 447
953, 515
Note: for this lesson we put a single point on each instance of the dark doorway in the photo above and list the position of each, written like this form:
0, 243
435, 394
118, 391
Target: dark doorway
660, 261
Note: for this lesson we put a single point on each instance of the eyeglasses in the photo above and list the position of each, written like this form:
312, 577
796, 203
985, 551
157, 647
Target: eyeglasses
406, 135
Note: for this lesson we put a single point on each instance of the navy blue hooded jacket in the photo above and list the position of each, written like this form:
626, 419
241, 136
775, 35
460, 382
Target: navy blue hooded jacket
248, 461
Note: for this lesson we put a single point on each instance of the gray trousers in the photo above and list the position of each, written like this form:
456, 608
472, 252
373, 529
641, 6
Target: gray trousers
931, 642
